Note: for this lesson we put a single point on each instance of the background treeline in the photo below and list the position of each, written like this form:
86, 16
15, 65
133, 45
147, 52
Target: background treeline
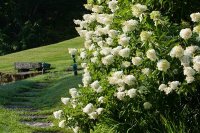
31, 23
176, 10
28, 23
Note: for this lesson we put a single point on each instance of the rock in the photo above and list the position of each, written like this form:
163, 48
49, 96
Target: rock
39, 124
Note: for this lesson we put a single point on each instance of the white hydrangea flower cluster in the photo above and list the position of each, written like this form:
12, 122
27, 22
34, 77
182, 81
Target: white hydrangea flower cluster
119, 79
96, 87
177, 52
92, 111
151, 54
86, 77
138, 10
145, 36
129, 25
196, 18
113, 5
146, 71
72, 51
155, 15
163, 65
119, 61
67, 102
58, 115
124, 40
186, 33
186, 57
136, 61
121, 94
167, 89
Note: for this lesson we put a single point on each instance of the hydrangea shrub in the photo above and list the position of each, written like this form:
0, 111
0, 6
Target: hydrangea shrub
140, 71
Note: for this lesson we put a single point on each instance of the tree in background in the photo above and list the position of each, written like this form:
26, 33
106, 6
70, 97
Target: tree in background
27, 24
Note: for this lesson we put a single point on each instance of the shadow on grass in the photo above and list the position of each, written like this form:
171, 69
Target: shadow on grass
48, 96
9, 90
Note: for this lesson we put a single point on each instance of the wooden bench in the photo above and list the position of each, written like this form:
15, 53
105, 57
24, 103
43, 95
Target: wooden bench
27, 66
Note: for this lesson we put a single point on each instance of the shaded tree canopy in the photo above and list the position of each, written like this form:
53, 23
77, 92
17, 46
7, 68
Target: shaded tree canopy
27, 24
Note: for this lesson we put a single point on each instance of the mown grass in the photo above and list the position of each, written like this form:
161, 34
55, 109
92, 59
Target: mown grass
7, 91
59, 81
9, 122
58, 85
48, 101
56, 54
62, 82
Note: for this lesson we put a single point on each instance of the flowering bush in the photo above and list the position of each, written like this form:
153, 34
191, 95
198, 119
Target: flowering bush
141, 72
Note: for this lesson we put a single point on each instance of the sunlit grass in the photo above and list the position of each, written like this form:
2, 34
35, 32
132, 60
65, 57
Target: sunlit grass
55, 54
59, 82
47, 102
9, 122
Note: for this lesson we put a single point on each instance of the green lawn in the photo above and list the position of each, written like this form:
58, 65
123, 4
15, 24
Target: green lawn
47, 102
9, 122
55, 54
59, 82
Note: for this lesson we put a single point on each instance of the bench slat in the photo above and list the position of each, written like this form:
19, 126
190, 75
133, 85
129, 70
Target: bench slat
28, 65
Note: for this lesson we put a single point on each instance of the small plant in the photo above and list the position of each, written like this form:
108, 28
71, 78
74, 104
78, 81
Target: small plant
141, 70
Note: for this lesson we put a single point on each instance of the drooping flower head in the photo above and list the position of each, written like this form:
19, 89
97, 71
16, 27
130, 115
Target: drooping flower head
138, 10
195, 17
163, 65
186, 33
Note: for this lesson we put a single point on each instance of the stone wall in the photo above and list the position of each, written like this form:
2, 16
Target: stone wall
6, 78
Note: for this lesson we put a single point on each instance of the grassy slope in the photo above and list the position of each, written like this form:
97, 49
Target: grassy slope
55, 54
59, 85
47, 102
59, 82
8, 90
